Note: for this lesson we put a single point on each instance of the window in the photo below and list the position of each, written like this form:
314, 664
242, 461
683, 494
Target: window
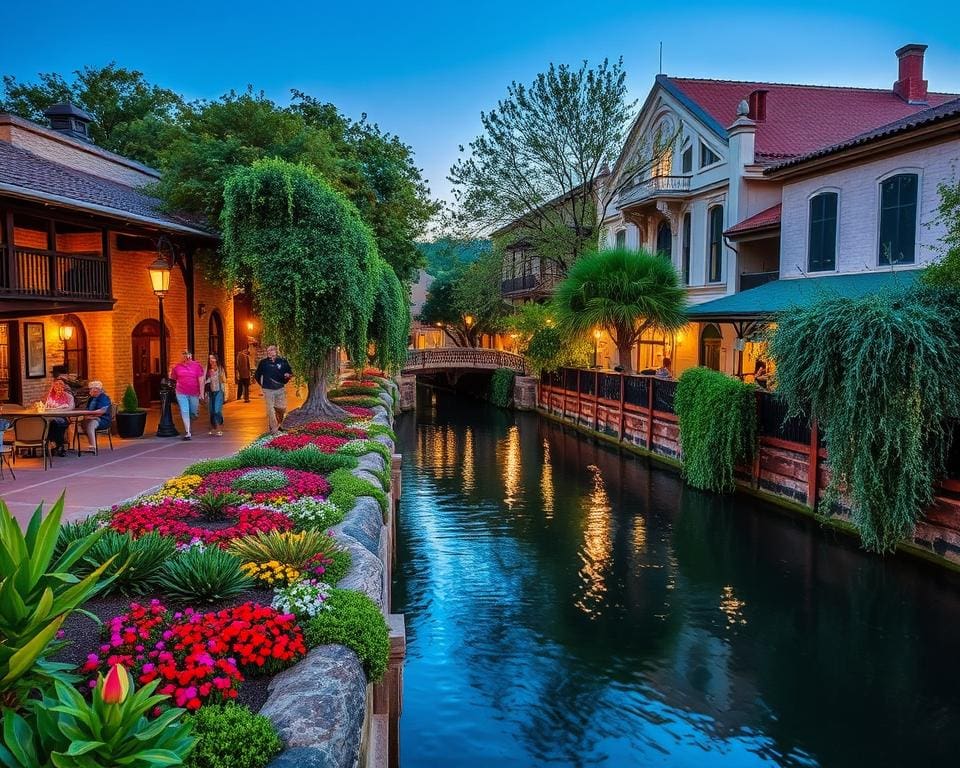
898, 219
686, 160
710, 339
74, 348
715, 245
686, 249
664, 240
707, 156
822, 247
621, 238
215, 338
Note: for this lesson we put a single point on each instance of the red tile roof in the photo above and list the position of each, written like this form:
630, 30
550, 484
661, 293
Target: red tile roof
766, 218
800, 118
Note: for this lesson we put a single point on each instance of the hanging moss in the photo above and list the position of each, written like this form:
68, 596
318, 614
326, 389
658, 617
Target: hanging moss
717, 415
879, 373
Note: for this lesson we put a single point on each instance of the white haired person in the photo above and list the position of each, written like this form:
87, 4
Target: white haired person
99, 407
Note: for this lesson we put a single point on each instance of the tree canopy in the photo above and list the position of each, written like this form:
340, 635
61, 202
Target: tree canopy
311, 261
540, 153
623, 292
446, 254
946, 271
470, 291
390, 323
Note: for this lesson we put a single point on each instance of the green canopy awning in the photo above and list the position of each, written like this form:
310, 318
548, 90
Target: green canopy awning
780, 295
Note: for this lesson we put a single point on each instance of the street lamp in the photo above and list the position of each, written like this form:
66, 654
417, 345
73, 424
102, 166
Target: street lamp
596, 346
160, 282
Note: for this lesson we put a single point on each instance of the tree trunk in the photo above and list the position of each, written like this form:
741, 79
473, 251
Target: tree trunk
626, 359
317, 406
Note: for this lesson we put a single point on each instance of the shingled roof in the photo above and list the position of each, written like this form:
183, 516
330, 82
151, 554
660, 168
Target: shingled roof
799, 118
768, 218
28, 176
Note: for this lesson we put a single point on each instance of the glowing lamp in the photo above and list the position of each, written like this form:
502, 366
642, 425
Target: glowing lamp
160, 276
66, 332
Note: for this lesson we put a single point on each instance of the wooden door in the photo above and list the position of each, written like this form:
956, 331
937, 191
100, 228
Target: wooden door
146, 361
9, 363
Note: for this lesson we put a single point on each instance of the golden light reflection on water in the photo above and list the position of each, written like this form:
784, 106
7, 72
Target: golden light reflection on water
732, 606
437, 451
468, 468
508, 457
546, 481
595, 553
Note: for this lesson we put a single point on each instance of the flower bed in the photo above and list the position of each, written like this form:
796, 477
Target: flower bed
266, 484
179, 518
294, 442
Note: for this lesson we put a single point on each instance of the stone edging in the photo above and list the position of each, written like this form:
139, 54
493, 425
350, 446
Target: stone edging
320, 705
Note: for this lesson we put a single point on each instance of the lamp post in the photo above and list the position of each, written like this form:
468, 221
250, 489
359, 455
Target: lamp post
468, 321
596, 346
160, 282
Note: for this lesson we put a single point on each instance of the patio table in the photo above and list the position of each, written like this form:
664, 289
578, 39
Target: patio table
12, 414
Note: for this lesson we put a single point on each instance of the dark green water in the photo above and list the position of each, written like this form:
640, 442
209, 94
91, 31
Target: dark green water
569, 605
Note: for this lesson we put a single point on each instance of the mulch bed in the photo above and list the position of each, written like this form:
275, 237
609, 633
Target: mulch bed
83, 634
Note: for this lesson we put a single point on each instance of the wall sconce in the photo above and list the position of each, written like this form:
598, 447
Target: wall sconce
65, 332
249, 326
201, 309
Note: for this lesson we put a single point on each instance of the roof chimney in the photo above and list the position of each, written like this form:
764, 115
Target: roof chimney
911, 87
69, 120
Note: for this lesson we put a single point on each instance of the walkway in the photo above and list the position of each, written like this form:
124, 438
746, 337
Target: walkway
135, 466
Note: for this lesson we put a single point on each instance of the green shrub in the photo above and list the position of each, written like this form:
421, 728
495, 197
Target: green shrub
201, 574
257, 456
338, 566
346, 390
136, 563
361, 447
129, 402
355, 621
310, 460
501, 387
717, 415
231, 736
209, 466
364, 402
346, 488
879, 373
73, 532
374, 430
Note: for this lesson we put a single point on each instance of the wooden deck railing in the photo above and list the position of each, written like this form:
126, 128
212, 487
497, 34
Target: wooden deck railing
461, 358
54, 274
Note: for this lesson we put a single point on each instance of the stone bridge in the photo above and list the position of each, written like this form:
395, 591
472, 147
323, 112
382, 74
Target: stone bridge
460, 359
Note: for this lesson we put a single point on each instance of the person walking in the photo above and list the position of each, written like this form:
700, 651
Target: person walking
243, 375
215, 388
189, 377
272, 374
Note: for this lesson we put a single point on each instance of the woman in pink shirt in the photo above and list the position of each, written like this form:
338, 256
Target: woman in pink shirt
189, 376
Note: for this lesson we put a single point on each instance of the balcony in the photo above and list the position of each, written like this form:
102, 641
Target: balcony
654, 187
518, 284
529, 284
750, 280
51, 280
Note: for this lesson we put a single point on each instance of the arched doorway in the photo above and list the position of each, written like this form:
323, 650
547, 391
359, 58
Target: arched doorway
710, 338
146, 360
215, 337
664, 240
74, 347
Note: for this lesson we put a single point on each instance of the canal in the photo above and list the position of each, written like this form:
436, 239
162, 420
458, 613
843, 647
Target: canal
568, 604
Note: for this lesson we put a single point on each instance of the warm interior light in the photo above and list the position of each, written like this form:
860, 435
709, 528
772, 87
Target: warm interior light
250, 325
596, 334
66, 332
160, 276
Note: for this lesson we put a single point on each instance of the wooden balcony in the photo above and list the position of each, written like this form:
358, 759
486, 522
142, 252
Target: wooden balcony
35, 280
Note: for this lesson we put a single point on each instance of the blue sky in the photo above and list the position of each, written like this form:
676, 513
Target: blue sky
426, 70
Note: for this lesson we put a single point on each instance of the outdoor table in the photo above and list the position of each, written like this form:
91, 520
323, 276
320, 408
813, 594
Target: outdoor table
11, 414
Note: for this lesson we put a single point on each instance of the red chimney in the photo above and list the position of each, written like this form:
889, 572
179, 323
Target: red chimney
911, 87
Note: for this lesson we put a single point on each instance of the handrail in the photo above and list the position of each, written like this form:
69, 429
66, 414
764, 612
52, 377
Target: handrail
463, 357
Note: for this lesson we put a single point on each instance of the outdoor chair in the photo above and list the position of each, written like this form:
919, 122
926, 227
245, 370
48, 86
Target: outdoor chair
5, 450
32, 432
107, 430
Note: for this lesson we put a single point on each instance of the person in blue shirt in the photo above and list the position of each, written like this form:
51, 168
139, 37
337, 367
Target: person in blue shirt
99, 403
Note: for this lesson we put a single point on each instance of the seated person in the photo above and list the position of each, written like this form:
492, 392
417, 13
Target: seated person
59, 398
760, 376
100, 404
663, 372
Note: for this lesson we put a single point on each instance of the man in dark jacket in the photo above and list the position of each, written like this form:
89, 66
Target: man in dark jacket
272, 374
243, 375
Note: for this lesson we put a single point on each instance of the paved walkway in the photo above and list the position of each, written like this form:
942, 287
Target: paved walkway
135, 466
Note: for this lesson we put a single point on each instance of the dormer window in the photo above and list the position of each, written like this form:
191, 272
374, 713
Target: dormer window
707, 156
69, 120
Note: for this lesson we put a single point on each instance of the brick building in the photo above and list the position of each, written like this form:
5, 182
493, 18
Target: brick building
77, 233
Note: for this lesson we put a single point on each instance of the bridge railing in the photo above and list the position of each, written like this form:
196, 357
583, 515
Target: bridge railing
463, 357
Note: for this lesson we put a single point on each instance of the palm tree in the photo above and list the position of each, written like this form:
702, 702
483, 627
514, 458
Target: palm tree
623, 292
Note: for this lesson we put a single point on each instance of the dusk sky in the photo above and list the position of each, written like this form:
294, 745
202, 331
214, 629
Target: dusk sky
425, 70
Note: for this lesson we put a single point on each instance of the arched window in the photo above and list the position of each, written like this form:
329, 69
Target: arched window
215, 339
74, 346
686, 249
621, 238
715, 244
710, 338
822, 246
898, 219
664, 240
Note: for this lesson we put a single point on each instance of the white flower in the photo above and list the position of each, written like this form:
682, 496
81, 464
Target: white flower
303, 598
312, 512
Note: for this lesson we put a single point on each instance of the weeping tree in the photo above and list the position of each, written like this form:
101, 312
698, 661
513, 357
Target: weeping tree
312, 265
624, 292
390, 323
879, 374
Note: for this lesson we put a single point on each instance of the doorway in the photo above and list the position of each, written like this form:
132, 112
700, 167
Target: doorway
146, 361
710, 339
9, 363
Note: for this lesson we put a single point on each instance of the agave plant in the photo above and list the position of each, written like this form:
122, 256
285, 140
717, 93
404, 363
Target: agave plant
203, 575
213, 505
293, 549
138, 561
38, 590
66, 731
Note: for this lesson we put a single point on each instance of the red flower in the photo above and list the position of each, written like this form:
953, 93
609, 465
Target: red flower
294, 442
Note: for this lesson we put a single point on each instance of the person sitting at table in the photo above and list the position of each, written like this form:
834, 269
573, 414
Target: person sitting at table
100, 416
59, 398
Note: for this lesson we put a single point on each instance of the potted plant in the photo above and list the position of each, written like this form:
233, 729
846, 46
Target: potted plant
131, 418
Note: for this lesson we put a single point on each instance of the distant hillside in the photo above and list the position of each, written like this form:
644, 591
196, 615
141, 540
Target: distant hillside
446, 254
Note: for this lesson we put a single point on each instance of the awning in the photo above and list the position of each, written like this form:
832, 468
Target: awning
766, 220
780, 295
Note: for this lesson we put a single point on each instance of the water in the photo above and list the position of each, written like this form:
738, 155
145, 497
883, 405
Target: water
570, 605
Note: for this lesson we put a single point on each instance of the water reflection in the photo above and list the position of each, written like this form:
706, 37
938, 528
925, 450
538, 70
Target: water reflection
625, 619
